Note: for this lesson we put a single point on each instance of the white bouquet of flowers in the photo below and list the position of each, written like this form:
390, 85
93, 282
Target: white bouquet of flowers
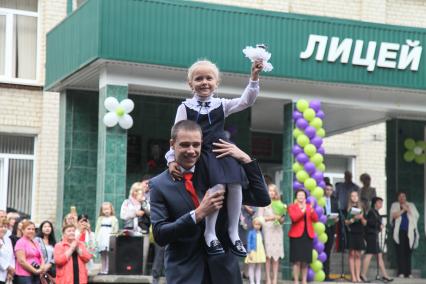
259, 53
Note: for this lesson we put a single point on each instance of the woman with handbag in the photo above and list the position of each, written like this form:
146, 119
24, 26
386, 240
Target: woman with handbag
71, 257
46, 240
29, 261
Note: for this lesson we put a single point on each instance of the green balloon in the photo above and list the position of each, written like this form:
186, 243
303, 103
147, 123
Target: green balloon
297, 132
302, 105
321, 167
316, 265
321, 132
421, 144
314, 255
323, 238
321, 202
318, 192
310, 184
409, 143
302, 176
317, 159
302, 140
319, 276
316, 123
319, 228
119, 111
297, 167
310, 150
409, 156
420, 159
309, 114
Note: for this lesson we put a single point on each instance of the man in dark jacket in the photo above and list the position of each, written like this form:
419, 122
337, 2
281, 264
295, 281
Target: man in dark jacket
177, 213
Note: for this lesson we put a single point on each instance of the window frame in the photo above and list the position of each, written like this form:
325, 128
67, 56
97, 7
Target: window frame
9, 50
6, 157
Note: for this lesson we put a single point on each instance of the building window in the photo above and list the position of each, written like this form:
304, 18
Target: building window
16, 173
18, 40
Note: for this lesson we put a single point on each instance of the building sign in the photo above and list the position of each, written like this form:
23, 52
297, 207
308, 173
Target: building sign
389, 54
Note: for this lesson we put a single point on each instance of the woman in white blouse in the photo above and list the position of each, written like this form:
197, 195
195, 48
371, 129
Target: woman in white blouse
7, 257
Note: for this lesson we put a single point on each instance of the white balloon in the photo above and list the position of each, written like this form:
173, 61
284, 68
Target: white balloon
111, 103
418, 150
126, 121
128, 105
110, 119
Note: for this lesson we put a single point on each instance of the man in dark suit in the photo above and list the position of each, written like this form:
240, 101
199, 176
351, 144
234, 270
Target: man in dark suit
331, 206
178, 215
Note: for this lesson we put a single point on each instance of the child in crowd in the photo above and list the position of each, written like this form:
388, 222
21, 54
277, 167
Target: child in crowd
355, 223
216, 173
256, 252
106, 225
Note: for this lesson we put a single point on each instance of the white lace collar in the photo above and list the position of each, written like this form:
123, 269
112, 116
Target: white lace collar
212, 103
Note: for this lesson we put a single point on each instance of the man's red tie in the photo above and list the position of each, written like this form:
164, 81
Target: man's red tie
190, 188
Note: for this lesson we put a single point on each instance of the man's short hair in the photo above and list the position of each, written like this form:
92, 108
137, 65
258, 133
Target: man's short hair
184, 125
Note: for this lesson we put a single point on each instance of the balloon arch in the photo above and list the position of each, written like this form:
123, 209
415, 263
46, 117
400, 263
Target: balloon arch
308, 171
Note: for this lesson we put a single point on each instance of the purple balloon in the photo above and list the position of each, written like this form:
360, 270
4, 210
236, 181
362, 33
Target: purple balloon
315, 105
323, 219
318, 176
322, 257
319, 247
319, 211
310, 131
320, 114
317, 141
321, 184
297, 150
309, 167
321, 150
301, 123
311, 200
315, 239
297, 185
311, 275
302, 158
297, 115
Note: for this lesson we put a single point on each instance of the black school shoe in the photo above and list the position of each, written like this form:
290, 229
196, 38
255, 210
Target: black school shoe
215, 248
238, 249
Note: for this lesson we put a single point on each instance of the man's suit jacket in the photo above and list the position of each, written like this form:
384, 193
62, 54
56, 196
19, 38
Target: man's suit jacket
185, 257
298, 221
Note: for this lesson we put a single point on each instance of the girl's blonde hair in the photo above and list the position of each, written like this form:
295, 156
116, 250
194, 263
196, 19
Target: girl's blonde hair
274, 187
203, 62
110, 206
259, 219
137, 186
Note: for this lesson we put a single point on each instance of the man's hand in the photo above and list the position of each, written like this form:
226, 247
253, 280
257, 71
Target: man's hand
211, 202
174, 170
140, 213
224, 148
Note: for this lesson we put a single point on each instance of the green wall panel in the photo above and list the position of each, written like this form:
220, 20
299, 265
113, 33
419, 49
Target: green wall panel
176, 33
81, 138
408, 177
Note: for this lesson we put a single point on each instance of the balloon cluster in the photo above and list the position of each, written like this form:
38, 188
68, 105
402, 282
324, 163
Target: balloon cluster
118, 112
415, 151
309, 174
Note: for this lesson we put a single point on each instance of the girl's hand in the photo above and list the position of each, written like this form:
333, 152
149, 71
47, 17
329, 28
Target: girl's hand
174, 170
256, 67
224, 148
358, 217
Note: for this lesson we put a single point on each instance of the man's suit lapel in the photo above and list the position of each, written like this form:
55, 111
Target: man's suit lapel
179, 186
